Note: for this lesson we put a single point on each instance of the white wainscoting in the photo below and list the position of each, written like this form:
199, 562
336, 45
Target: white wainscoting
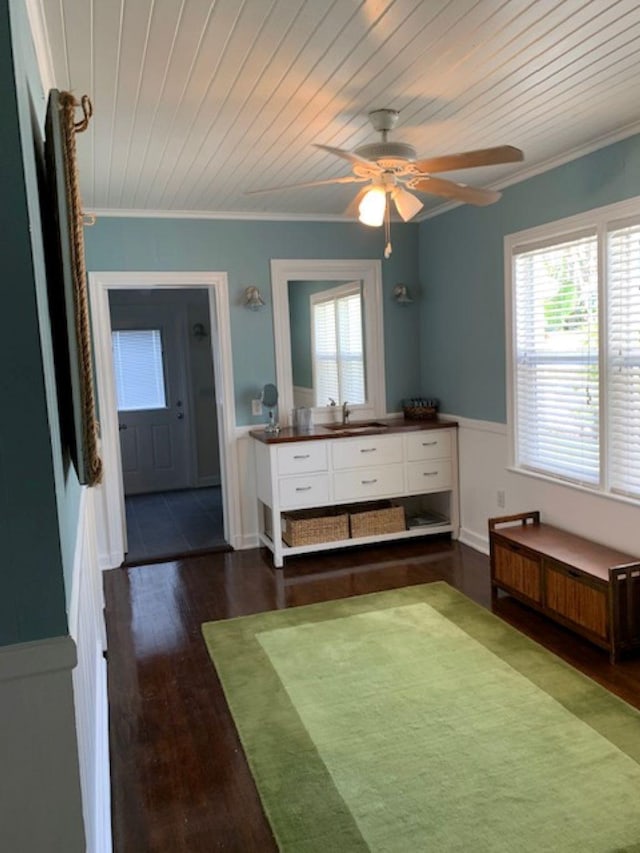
40, 803
248, 501
86, 626
484, 459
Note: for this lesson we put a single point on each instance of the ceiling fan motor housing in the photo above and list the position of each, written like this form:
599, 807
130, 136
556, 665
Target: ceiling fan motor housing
388, 155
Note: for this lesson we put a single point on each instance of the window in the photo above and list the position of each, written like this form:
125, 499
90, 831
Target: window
138, 369
575, 301
337, 345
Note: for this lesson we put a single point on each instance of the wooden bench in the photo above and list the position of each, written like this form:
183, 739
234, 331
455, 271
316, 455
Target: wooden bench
590, 588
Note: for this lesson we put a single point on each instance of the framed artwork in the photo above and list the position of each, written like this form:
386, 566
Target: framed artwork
68, 284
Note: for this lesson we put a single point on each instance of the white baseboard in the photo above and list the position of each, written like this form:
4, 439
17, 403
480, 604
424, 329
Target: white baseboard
249, 541
474, 540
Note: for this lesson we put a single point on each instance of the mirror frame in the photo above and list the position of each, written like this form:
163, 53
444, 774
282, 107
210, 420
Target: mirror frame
367, 271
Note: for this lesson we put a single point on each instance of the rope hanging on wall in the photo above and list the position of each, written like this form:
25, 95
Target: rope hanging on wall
68, 106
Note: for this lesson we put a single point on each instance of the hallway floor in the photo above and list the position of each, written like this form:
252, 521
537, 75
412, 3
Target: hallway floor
170, 524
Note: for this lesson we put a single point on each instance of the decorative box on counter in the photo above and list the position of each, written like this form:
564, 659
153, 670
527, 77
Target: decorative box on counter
420, 408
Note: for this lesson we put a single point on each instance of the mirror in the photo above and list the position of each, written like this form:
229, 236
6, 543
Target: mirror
270, 396
327, 342
270, 401
308, 296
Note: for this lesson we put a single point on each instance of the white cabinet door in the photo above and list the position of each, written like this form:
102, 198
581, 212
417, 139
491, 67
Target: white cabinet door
365, 452
302, 456
366, 483
312, 490
429, 476
428, 444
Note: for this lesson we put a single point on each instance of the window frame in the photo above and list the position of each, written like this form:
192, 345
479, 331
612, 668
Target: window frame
602, 220
163, 366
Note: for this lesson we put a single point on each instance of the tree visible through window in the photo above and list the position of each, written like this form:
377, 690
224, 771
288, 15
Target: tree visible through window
337, 345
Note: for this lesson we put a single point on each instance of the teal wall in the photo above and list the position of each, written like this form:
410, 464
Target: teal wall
462, 330
244, 249
38, 496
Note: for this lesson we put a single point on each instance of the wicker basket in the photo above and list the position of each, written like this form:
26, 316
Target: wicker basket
373, 520
308, 527
420, 413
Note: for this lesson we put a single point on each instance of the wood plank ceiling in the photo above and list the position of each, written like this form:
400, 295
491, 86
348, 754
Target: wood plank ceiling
197, 101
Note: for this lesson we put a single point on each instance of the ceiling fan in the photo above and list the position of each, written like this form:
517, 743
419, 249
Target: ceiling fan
391, 169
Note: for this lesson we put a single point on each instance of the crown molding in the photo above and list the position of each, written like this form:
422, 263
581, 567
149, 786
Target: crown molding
137, 213
524, 174
37, 24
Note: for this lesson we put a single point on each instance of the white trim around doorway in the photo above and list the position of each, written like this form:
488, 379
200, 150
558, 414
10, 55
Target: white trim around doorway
112, 532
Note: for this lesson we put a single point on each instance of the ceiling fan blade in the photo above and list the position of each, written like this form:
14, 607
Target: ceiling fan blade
347, 155
347, 179
469, 159
450, 189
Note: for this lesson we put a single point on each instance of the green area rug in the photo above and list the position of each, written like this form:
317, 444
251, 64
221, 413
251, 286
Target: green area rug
415, 720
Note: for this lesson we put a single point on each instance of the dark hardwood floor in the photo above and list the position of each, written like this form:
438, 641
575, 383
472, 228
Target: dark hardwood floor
179, 778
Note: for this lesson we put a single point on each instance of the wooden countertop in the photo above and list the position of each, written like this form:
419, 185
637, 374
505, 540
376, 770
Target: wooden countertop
375, 426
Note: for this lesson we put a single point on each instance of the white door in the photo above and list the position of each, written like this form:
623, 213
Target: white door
153, 410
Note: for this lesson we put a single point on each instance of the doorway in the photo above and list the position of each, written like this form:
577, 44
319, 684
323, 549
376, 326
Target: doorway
166, 460
165, 393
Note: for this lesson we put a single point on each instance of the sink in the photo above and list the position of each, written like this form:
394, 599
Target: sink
356, 426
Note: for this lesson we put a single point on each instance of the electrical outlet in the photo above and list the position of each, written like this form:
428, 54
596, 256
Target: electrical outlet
256, 407
501, 498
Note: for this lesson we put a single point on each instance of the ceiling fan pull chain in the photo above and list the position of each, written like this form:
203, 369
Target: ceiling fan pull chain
387, 229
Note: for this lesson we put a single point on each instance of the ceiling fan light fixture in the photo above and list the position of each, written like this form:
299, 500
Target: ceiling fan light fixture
372, 207
407, 204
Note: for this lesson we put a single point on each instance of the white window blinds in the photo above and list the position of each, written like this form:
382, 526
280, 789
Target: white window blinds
556, 359
623, 410
338, 352
138, 369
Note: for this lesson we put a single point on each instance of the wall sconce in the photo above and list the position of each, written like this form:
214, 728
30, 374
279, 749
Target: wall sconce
401, 294
252, 298
199, 331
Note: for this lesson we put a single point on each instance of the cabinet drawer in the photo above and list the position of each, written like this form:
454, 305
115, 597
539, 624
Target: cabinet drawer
571, 595
368, 483
301, 457
428, 444
365, 452
429, 476
295, 492
518, 570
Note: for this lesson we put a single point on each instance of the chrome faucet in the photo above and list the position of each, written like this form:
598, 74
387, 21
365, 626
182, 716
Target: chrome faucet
345, 413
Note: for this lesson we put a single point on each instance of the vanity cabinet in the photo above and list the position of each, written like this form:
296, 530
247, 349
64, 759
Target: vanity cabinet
415, 465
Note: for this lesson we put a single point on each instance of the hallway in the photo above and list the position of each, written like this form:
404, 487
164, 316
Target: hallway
162, 525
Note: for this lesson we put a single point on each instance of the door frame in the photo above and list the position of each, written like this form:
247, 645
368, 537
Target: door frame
114, 537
